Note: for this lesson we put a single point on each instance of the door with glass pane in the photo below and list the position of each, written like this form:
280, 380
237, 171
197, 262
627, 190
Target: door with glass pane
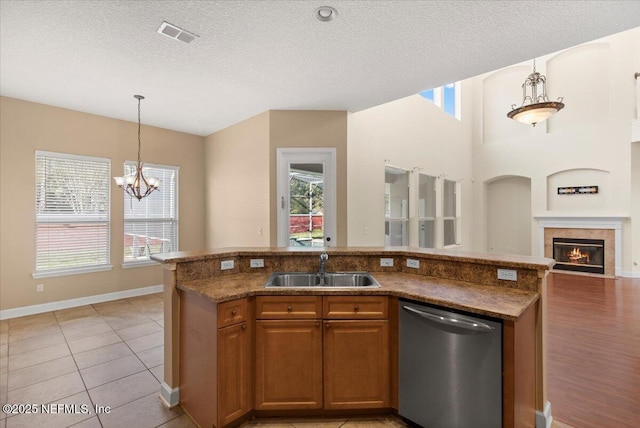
396, 205
450, 212
306, 197
426, 211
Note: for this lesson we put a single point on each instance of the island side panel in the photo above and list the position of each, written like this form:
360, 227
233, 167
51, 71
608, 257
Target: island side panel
199, 359
520, 370
171, 332
541, 343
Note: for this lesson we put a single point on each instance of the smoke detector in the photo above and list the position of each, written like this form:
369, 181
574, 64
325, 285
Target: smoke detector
325, 13
176, 33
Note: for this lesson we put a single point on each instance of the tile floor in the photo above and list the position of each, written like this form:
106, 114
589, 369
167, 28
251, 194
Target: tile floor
107, 354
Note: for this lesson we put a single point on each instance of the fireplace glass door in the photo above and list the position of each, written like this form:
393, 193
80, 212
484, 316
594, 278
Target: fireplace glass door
581, 255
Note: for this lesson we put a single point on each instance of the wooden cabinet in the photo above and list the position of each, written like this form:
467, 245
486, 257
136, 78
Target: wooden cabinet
356, 364
288, 307
305, 362
288, 353
355, 307
288, 364
216, 357
234, 372
356, 352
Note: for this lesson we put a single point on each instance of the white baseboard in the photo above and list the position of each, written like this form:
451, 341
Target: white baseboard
630, 274
72, 303
544, 419
170, 396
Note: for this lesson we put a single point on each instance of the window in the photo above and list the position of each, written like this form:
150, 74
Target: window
72, 214
151, 224
450, 212
426, 211
428, 95
396, 203
446, 97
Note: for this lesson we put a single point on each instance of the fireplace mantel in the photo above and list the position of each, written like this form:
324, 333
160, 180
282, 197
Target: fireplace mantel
584, 222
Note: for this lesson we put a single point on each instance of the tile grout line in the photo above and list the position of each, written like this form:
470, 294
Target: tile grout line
86, 390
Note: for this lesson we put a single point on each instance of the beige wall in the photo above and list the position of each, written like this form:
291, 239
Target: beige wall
311, 129
584, 137
27, 127
413, 134
237, 184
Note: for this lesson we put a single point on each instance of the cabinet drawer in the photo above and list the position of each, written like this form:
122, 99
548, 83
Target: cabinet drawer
287, 307
232, 312
355, 307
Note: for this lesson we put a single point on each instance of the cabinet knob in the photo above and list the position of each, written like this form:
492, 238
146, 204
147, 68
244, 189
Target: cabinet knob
327, 325
234, 312
244, 326
289, 308
317, 324
356, 308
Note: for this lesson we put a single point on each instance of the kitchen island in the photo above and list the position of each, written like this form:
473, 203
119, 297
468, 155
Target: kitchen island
221, 325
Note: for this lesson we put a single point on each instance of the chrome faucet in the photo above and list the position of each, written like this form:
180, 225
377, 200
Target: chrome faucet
323, 266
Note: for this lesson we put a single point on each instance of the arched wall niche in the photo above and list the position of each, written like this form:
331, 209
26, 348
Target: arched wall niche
500, 90
579, 202
509, 218
581, 76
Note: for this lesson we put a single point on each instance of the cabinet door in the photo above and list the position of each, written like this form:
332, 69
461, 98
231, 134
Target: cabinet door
234, 365
288, 364
356, 364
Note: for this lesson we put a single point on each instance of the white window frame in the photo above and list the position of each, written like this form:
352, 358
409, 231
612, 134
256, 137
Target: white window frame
76, 219
141, 262
438, 99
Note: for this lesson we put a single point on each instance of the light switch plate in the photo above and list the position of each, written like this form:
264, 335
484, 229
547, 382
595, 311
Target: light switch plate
386, 262
256, 263
413, 263
226, 264
508, 274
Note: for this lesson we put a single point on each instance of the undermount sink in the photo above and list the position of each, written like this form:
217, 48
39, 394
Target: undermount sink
331, 279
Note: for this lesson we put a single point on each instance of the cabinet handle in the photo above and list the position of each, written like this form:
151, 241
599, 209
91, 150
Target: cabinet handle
327, 325
356, 308
234, 312
317, 324
244, 326
289, 308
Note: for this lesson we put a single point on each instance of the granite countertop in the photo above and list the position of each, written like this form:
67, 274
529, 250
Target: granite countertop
499, 302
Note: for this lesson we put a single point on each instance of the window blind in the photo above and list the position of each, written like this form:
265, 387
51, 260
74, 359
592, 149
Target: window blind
151, 224
72, 212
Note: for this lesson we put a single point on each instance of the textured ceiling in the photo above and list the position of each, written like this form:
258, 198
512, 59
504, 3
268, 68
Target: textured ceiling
252, 56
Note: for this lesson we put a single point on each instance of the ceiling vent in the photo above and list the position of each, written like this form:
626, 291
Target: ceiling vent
176, 33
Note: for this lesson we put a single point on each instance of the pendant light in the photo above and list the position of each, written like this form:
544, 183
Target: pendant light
135, 184
535, 108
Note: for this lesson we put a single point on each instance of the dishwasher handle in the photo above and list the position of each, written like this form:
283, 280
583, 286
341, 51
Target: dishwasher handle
469, 325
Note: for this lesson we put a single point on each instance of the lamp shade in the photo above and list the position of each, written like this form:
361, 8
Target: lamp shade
535, 113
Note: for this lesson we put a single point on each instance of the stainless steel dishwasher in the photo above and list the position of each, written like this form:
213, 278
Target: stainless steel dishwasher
450, 368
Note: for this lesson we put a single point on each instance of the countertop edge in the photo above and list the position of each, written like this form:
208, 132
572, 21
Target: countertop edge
528, 297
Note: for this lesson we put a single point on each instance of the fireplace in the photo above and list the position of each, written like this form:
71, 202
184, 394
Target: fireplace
581, 255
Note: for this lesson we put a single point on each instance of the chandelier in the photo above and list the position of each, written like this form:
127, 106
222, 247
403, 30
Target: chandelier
535, 108
135, 184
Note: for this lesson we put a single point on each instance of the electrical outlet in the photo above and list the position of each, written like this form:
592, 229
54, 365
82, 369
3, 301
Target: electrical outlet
508, 274
386, 262
39, 288
413, 263
226, 264
256, 263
